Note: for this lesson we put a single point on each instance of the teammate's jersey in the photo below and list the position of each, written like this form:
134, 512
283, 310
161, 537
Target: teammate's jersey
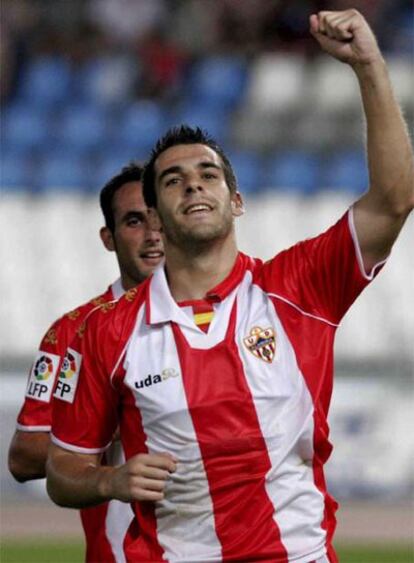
105, 526
243, 406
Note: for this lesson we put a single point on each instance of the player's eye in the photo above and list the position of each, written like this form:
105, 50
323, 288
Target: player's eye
133, 221
172, 181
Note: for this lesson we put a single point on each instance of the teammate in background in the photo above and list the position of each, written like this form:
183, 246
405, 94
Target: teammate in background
224, 421
138, 249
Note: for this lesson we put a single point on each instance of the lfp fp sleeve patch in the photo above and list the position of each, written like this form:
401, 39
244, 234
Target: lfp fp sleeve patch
68, 376
42, 376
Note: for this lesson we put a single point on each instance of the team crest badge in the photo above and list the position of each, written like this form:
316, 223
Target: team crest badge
261, 343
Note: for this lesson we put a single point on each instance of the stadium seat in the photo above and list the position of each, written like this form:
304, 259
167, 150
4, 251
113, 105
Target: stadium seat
139, 126
345, 170
25, 127
81, 128
62, 172
277, 83
46, 82
195, 114
106, 80
248, 167
217, 81
15, 171
292, 171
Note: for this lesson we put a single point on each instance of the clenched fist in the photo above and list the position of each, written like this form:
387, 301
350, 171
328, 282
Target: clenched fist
141, 478
346, 36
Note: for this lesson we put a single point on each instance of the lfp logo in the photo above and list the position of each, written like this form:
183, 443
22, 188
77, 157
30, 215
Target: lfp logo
43, 368
42, 376
68, 376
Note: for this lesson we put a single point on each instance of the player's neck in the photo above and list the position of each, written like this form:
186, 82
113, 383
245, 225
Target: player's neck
190, 277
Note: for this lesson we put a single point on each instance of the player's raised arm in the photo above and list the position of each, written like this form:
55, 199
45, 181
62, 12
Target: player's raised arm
78, 480
380, 213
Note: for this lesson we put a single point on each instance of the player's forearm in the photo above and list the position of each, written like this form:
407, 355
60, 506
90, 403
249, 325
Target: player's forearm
76, 481
27, 455
390, 157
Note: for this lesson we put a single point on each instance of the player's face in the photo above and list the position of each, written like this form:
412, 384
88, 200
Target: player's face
137, 244
193, 200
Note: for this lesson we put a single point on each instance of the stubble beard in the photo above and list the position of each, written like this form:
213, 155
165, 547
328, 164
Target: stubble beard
199, 238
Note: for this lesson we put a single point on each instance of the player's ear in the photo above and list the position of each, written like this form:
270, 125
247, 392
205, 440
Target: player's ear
237, 205
107, 239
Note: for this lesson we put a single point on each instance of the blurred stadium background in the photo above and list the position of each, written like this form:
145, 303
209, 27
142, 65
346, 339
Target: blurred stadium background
88, 85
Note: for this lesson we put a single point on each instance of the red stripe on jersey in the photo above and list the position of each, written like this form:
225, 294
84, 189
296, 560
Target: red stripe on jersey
313, 339
141, 543
98, 547
234, 452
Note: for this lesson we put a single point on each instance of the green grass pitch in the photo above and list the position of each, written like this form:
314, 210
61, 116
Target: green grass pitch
26, 551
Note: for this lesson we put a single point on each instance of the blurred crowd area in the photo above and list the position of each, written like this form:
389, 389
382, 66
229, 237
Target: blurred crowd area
89, 84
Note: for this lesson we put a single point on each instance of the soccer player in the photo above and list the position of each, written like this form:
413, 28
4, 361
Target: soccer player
138, 249
219, 368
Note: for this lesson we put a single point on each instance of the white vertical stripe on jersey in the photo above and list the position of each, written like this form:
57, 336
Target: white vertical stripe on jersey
185, 521
285, 412
119, 515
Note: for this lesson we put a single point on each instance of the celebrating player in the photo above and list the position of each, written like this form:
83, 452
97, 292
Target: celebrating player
219, 368
138, 248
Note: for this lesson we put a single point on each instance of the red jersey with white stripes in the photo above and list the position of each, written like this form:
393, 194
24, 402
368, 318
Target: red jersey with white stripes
243, 406
105, 526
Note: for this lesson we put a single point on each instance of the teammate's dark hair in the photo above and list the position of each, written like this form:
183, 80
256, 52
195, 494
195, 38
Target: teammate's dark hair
182, 135
132, 172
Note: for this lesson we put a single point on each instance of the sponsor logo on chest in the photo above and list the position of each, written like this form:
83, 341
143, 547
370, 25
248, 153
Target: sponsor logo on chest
151, 379
261, 343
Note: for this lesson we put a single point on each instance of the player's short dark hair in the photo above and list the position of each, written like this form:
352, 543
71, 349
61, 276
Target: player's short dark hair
132, 172
183, 135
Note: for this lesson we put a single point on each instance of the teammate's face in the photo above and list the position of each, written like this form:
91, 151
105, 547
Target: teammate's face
137, 244
193, 200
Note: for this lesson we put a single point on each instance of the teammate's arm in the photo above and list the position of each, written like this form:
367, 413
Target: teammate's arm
78, 480
28, 454
380, 213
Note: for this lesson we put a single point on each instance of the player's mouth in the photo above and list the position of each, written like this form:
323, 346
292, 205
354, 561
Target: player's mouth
198, 209
152, 257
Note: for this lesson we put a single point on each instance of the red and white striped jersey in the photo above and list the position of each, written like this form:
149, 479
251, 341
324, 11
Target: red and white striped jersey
243, 406
105, 526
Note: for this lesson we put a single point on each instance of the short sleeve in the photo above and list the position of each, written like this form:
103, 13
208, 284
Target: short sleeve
85, 403
323, 275
36, 412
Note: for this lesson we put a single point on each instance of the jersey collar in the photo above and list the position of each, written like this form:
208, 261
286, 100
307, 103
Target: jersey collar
161, 306
117, 289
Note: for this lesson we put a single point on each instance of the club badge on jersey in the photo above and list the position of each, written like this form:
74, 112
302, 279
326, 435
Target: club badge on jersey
42, 376
261, 343
68, 376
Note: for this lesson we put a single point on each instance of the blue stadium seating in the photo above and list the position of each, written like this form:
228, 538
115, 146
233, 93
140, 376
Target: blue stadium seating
81, 128
248, 167
46, 82
25, 127
218, 81
293, 171
107, 80
215, 122
15, 171
62, 172
345, 170
139, 126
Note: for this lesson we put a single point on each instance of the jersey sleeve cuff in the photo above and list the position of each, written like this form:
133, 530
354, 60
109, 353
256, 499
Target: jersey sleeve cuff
369, 276
77, 449
32, 428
